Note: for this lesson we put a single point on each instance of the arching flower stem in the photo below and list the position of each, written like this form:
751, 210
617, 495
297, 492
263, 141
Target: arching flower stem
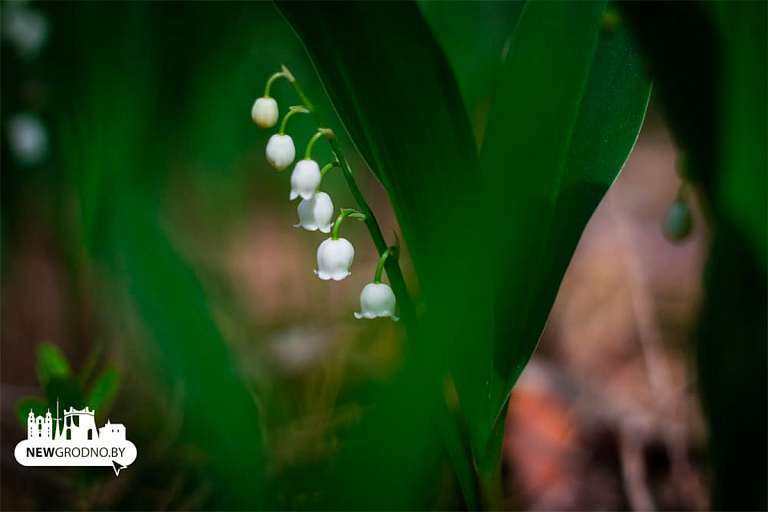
291, 112
272, 80
328, 167
396, 280
315, 137
391, 251
345, 212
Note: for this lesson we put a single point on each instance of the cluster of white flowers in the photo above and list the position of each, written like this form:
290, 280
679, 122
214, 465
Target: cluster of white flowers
315, 210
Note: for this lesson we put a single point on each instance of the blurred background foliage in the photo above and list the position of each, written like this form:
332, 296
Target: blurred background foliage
150, 242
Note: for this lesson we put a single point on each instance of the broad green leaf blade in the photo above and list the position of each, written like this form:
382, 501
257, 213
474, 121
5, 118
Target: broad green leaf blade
402, 108
566, 114
475, 37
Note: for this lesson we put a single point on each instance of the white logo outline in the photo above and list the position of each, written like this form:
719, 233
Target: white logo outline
75, 443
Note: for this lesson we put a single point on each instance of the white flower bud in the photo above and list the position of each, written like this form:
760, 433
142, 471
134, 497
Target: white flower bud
305, 179
25, 27
377, 300
28, 139
334, 257
316, 213
280, 151
265, 112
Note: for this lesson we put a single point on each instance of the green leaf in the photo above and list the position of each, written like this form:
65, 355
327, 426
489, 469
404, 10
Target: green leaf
67, 392
709, 64
104, 389
475, 37
401, 105
51, 364
126, 103
56, 378
744, 81
567, 112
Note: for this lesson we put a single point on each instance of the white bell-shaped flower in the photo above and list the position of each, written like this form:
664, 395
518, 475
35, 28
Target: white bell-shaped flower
24, 27
28, 139
265, 112
316, 213
305, 179
334, 257
280, 151
377, 300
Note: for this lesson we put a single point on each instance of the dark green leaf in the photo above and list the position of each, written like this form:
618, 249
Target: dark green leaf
401, 105
475, 37
565, 115
709, 64
67, 392
567, 112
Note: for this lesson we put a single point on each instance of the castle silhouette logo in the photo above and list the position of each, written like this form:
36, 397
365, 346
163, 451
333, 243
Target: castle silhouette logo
76, 442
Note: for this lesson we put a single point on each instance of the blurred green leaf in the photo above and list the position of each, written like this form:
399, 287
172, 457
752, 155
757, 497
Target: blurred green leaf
67, 391
51, 364
709, 64
744, 130
58, 383
104, 389
125, 102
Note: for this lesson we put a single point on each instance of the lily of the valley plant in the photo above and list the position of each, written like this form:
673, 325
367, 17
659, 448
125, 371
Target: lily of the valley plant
334, 255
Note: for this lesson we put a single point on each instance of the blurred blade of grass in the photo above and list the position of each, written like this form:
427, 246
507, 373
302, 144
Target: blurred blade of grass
709, 65
219, 410
115, 131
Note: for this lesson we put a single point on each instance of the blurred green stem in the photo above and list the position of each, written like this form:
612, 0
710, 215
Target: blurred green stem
396, 280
